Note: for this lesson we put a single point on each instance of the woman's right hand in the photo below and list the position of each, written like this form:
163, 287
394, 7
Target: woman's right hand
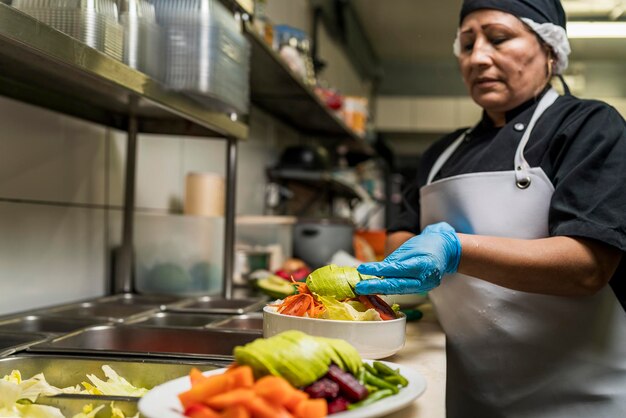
416, 266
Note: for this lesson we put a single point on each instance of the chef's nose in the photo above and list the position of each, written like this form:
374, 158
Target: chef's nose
481, 52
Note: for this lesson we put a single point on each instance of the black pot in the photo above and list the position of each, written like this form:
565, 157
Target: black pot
304, 157
315, 241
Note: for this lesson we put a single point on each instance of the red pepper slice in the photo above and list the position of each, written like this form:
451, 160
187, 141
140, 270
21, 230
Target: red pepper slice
379, 305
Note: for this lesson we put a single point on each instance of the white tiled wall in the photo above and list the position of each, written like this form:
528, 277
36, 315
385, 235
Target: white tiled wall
50, 253
58, 175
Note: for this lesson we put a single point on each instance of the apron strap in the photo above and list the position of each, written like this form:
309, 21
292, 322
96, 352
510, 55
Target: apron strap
522, 178
445, 155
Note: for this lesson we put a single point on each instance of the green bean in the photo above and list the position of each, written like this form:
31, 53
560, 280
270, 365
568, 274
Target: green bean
396, 379
377, 381
370, 369
361, 375
376, 396
383, 369
371, 389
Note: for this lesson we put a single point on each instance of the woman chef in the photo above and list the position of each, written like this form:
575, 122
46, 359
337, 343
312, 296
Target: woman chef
523, 230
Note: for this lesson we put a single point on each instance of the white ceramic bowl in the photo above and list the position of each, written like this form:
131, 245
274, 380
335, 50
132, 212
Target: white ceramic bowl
372, 339
406, 301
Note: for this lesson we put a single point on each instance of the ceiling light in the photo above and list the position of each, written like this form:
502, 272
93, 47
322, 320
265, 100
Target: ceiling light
596, 29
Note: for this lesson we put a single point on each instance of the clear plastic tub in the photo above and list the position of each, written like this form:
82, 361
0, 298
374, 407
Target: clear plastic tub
93, 22
206, 56
143, 37
177, 255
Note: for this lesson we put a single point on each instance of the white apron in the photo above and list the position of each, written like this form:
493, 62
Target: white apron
511, 353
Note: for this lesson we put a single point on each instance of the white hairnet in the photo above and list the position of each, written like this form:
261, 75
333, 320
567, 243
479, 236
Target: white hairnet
552, 34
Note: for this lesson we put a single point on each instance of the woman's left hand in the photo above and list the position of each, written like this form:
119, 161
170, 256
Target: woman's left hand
416, 266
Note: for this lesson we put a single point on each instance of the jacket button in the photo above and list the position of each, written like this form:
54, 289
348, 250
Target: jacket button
519, 127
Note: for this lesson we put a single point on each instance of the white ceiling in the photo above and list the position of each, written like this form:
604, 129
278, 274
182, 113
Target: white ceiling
416, 31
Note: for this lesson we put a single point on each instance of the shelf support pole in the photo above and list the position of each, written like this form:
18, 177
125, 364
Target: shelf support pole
123, 279
229, 217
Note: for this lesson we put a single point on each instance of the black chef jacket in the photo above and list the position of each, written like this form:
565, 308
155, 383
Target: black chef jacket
579, 144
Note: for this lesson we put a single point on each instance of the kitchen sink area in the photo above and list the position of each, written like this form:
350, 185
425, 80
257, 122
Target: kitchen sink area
146, 339
69, 371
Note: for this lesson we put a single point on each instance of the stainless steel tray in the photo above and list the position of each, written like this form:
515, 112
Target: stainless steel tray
252, 322
109, 310
214, 304
131, 340
178, 320
64, 371
11, 342
160, 301
52, 325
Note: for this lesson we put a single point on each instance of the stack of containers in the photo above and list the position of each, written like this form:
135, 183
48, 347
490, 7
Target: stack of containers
93, 22
206, 56
142, 37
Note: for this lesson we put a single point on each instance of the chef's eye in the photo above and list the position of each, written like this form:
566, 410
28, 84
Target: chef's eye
467, 47
498, 40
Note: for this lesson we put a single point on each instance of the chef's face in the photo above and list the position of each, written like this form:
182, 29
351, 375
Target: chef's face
502, 62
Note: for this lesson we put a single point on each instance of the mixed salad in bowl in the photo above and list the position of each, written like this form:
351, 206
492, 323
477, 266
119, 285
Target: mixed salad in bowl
328, 293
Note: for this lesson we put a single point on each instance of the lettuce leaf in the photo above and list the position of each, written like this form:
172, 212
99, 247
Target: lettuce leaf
347, 311
115, 385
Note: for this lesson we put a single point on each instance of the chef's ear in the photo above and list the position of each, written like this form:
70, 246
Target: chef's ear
550, 60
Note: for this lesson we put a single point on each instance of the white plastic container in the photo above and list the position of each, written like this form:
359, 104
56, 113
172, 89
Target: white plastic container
267, 231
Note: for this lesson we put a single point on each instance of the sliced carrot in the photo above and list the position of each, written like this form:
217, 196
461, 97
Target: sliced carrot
243, 376
200, 411
294, 399
260, 408
295, 305
196, 376
274, 389
204, 389
231, 398
312, 408
301, 287
235, 411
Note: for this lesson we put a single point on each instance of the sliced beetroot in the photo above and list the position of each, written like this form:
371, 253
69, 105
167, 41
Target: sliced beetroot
349, 386
379, 305
337, 405
323, 388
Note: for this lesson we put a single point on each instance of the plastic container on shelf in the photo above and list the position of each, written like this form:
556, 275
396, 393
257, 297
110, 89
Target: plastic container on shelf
267, 231
142, 37
93, 22
206, 56
176, 254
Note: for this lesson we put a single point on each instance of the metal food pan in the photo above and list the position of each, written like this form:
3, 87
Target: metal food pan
160, 301
178, 320
209, 344
111, 311
251, 322
11, 342
215, 304
52, 325
65, 371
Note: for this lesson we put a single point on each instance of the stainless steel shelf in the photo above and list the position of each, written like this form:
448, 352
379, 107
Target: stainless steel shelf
322, 180
44, 67
276, 89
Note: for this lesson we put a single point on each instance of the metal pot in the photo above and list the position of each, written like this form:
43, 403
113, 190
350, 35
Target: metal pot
315, 241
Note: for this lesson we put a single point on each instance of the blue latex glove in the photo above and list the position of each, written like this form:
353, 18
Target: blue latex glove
416, 266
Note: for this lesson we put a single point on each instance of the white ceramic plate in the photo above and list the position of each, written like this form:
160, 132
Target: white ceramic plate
162, 401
